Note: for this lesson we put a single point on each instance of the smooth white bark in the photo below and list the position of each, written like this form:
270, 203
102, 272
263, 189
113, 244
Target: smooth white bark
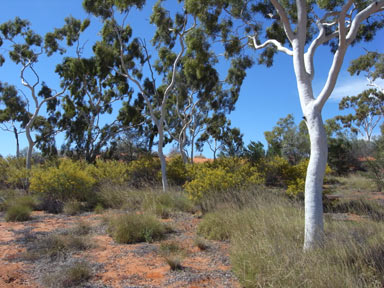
304, 70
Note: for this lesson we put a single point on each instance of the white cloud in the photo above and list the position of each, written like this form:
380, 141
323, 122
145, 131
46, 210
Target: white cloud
351, 87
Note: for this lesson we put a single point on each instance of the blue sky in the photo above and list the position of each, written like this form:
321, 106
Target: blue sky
267, 94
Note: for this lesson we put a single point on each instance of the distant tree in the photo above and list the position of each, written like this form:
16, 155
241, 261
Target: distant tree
232, 143
13, 115
254, 151
93, 90
368, 112
288, 140
25, 48
128, 56
368, 106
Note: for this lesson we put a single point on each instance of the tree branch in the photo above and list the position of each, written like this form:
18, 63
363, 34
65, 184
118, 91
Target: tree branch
274, 42
345, 39
284, 18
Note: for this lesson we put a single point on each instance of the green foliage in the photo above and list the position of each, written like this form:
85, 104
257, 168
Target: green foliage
18, 212
69, 181
133, 228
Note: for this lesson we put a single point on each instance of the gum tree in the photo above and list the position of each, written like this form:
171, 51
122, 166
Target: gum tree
296, 28
128, 56
13, 115
25, 48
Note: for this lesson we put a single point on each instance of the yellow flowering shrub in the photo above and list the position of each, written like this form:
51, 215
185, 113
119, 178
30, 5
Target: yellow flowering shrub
68, 181
208, 180
144, 171
110, 171
296, 184
177, 172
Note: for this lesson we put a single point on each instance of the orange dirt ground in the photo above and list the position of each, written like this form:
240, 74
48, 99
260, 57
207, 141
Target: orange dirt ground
136, 265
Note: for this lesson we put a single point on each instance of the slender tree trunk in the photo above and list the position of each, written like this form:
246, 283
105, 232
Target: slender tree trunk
17, 142
162, 159
314, 227
183, 154
192, 148
31, 143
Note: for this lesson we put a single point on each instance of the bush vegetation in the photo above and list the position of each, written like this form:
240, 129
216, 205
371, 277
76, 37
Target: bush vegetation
132, 228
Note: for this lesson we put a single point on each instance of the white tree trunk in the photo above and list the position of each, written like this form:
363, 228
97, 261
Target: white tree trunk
31, 143
314, 227
163, 162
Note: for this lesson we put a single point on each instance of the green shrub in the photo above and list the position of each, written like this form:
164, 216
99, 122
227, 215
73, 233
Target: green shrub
18, 212
110, 172
133, 228
68, 181
215, 226
177, 172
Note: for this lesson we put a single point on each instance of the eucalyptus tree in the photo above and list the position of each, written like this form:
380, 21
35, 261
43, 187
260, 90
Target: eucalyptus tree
25, 49
296, 28
13, 113
288, 140
92, 92
129, 56
368, 106
199, 92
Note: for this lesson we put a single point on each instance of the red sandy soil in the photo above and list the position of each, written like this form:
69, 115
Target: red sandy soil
136, 265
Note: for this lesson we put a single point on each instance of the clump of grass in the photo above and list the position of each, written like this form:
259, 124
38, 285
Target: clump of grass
363, 207
18, 212
132, 228
266, 250
72, 208
99, 209
201, 243
173, 254
117, 197
81, 228
354, 183
164, 204
174, 262
215, 225
71, 275
57, 245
